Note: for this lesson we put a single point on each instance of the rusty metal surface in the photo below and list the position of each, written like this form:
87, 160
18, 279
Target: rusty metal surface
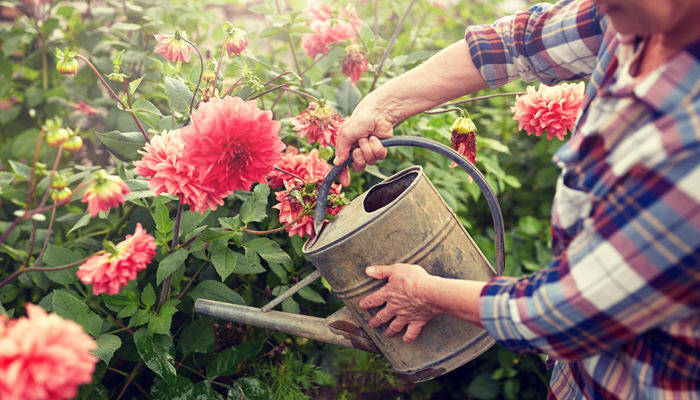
413, 226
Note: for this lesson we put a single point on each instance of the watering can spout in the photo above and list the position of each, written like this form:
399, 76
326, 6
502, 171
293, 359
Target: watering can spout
338, 328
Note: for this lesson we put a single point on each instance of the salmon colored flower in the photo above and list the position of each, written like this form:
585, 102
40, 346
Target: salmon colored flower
320, 123
550, 108
329, 26
43, 357
354, 62
104, 192
297, 203
167, 172
308, 166
109, 272
235, 41
464, 139
231, 143
173, 47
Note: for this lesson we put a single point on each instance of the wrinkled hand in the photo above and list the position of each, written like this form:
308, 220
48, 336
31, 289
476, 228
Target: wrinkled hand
406, 296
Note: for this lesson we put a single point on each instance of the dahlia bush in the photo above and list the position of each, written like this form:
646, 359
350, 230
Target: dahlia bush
154, 153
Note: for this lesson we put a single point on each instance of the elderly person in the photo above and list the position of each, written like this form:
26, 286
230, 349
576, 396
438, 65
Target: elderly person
619, 306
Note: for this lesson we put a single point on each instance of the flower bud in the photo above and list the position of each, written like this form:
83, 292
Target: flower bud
59, 181
236, 40
61, 195
74, 143
464, 138
66, 63
208, 76
57, 137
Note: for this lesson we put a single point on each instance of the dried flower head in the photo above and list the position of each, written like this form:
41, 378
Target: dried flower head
319, 123
354, 62
464, 139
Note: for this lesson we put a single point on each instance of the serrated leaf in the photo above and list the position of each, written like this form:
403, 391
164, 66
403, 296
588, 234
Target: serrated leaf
83, 221
161, 217
347, 96
126, 144
178, 388
148, 296
157, 353
251, 389
106, 346
147, 111
191, 221
232, 223
215, 290
170, 264
179, 95
254, 209
70, 307
311, 295
224, 262
269, 250
56, 256
127, 311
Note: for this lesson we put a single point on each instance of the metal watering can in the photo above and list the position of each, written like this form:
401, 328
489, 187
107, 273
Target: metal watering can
401, 219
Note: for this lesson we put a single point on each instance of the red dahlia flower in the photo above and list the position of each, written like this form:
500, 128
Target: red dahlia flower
550, 108
464, 139
354, 62
320, 123
105, 192
43, 357
108, 273
173, 47
308, 166
297, 203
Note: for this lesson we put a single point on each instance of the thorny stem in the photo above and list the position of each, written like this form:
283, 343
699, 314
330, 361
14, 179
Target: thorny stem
378, 72
121, 103
281, 228
176, 233
23, 270
201, 72
454, 103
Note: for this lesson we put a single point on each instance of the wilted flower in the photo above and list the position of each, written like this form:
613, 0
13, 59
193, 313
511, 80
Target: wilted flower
74, 143
550, 108
308, 166
235, 41
320, 123
354, 62
173, 47
104, 192
43, 357
109, 272
464, 139
66, 63
297, 204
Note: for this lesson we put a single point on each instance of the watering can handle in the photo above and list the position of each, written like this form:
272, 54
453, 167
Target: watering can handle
320, 211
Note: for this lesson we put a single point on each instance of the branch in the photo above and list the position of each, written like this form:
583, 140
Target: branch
391, 43
201, 72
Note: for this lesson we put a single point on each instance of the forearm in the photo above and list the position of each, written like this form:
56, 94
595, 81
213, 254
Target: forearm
446, 75
456, 297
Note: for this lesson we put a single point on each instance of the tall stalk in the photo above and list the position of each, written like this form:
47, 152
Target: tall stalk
378, 72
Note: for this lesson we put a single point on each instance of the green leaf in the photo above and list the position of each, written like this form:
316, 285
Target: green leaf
106, 346
161, 217
347, 96
224, 364
529, 225
204, 391
215, 290
224, 262
83, 221
249, 264
70, 307
210, 235
482, 387
254, 209
232, 223
179, 95
251, 389
190, 221
128, 311
178, 388
148, 297
311, 295
170, 264
269, 250
56, 256
147, 111
133, 85
197, 337
126, 144
20, 169
141, 317
157, 352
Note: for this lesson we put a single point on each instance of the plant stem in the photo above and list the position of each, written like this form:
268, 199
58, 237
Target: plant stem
218, 66
272, 89
187, 286
378, 72
30, 189
126, 90
201, 72
333, 46
434, 111
131, 378
290, 174
54, 167
281, 228
294, 53
23, 270
46, 239
454, 103
121, 103
281, 75
165, 291
417, 31
230, 90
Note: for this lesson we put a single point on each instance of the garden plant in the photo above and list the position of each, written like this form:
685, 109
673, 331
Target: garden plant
156, 152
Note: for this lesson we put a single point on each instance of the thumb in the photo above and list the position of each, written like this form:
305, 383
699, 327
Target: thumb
380, 271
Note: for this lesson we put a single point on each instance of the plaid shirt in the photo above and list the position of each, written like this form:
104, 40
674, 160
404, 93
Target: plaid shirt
619, 306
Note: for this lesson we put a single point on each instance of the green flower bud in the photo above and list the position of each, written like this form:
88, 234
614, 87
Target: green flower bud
74, 143
61, 195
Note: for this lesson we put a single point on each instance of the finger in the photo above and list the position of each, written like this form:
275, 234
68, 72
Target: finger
382, 128
349, 133
395, 327
412, 332
344, 177
358, 162
375, 299
382, 317
377, 148
381, 271
367, 152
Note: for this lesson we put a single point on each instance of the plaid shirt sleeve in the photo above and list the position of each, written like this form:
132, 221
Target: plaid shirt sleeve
551, 43
632, 267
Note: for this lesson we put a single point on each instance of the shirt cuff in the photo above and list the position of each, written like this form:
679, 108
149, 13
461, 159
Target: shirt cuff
489, 54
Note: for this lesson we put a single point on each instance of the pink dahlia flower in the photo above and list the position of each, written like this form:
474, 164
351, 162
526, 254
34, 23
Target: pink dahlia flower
309, 166
162, 163
236, 40
297, 203
464, 139
328, 29
173, 47
320, 123
43, 357
108, 273
104, 192
550, 108
231, 143
354, 62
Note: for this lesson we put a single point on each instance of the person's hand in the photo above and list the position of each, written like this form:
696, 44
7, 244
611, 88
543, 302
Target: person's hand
406, 296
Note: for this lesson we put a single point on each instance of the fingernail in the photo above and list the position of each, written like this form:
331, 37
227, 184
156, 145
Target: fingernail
370, 270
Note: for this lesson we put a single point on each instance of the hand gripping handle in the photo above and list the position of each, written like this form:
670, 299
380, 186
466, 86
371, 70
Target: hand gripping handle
320, 211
